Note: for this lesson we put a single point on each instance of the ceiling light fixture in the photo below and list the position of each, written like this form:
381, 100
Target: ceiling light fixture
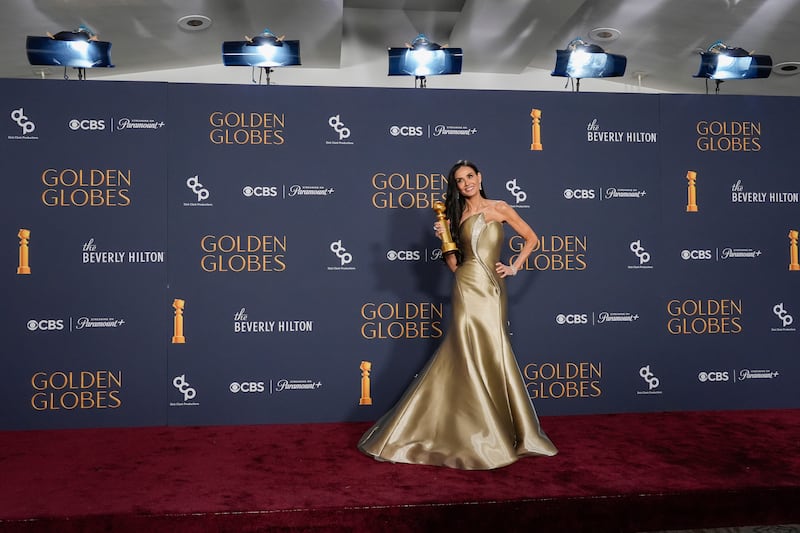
424, 58
604, 35
583, 60
264, 51
787, 68
194, 23
79, 49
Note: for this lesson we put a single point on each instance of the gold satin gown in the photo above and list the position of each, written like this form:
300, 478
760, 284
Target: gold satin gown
468, 408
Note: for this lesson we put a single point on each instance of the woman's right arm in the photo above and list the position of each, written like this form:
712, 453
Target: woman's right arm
452, 261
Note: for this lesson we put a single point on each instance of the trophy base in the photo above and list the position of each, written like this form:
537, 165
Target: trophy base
178, 340
794, 268
691, 209
365, 401
24, 270
536, 147
449, 248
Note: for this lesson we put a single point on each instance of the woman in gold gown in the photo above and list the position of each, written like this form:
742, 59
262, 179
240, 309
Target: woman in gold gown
468, 408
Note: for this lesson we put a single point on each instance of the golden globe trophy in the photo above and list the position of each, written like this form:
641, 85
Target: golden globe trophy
177, 323
366, 398
536, 129
448, 246
691, 177
794, 264
24, 236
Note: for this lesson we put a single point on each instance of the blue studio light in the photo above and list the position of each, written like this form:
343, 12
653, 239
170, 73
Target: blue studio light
721, 62
79, 49
584, 60
265, 50
424, 58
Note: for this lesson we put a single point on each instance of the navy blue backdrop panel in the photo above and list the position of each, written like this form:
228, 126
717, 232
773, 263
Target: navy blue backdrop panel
583, 300
336, 204
85, 166
212, 254
729, 308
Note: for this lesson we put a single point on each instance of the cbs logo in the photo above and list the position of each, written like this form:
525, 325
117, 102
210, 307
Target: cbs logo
260, 192
579, 194
713, 376
87, 125
403, 255
247, 387
45, 325
406, 131
572, 319
695, 254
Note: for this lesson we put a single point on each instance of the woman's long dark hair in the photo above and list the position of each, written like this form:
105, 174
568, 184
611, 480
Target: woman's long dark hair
454, 202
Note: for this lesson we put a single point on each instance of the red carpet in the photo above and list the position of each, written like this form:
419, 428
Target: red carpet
633, 472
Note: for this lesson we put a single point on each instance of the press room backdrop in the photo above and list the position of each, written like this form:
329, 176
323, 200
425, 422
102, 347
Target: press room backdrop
212, 254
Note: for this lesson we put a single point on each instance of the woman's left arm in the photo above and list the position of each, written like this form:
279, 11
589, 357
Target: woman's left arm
510, 216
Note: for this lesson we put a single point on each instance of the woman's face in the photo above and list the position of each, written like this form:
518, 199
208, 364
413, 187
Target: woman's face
468, 181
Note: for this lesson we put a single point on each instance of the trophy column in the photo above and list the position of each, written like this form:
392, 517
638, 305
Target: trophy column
177, 333
24, 236
448, 246
366, 398
536, 129
691, 206
794, 264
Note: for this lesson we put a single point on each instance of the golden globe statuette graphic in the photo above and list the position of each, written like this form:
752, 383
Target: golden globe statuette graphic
24, 236
448, 246
536, 129
177, 327
691, 206
366, 398
794, 264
